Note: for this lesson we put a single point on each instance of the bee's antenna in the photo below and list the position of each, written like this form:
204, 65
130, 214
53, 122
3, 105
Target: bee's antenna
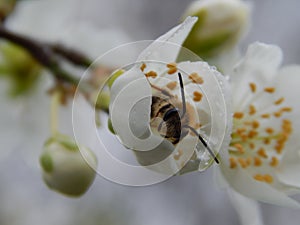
182, 95
203, 142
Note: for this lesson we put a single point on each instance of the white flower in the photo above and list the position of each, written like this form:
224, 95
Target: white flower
262, 162
156, 74
221, 25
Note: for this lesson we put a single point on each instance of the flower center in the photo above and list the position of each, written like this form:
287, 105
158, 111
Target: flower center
259, 133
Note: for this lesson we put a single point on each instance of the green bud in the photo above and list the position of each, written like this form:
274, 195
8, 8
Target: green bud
64, 168
102, 101
19, 66
110, 127
220, 26
114, 76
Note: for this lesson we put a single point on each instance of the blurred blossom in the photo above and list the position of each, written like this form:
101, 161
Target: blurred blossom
58, 23
263, 159
220, 26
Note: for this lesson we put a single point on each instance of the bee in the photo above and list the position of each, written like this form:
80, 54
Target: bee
173, 119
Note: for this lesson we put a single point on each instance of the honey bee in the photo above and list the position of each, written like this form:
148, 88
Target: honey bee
173, 119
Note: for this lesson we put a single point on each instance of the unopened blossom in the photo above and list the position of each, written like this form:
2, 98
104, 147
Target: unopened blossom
221, 25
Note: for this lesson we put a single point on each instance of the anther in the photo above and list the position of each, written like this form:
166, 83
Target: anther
252, 110
274, 162
196, 78
151, 73
238, 115
262, 153
172, 85
257, 161
143, 66
172, 68
279, 101
239, 148
232, 163
269, 89
197, 96
252, 87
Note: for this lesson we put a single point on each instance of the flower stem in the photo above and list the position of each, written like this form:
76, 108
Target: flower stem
46, 54
55, 101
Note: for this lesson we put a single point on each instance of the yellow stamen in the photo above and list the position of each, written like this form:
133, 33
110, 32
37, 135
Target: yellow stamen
238, 115
252, 134
252, 110
257, 161
232, 163
252, 87
279, 101
143, 66
259, 177
242, 163
196, 78
274, 162
255, 124
151, 74
252, 145
265, 116
269, 130
286, 109
270, 89
172, 85
240, 148
262, 153
172, 68
197, 96
268, 178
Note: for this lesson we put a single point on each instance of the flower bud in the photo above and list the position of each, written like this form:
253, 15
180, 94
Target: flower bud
220, 25
67, 169
19, 66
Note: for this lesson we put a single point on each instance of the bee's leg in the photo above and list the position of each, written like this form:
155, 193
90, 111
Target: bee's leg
203, 142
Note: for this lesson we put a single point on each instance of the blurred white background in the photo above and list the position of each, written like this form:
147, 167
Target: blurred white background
191, 199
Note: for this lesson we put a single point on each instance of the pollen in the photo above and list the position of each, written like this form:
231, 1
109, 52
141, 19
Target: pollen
252, 110
172, 85
239, 148
232, 163
265, 116
251, 145
238, 115
252, 134
172, 68
257, 161
143, 67
252, 87
286, 109
151, 74
255, 124
279, 101
196, 78
264, 178
269, 90
262, 153
259, 177
269, 130
274, 162
242, 163
197, 96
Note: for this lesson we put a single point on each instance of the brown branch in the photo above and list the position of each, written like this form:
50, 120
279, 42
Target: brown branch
46, 54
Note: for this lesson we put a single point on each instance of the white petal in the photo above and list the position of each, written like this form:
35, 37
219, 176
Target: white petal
130, 111
261, 58
166, 48
287, 84
217, 93
288, 171
247, 209
259, 66
241, 182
